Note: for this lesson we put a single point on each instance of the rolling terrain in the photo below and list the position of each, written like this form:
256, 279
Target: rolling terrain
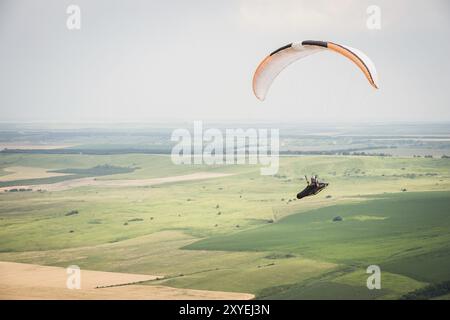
237, 231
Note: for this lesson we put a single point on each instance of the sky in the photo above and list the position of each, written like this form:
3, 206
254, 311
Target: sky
151, 61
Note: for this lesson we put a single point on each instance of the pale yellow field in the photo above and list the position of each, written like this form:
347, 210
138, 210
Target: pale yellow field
94, 182
22, 172
28, 281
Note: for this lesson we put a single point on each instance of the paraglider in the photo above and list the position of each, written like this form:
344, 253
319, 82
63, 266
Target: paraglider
279, 59
312, 188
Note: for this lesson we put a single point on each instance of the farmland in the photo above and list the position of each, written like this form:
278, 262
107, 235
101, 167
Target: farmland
240, 232
112, 200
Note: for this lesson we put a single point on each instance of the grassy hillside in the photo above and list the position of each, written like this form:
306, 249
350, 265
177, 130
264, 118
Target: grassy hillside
243, 232
405, 234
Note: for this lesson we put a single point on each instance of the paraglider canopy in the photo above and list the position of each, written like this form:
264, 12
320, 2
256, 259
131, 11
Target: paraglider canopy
279, 59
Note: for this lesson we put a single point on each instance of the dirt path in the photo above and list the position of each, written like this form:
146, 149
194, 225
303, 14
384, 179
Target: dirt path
29, 281
33, 146
94, 182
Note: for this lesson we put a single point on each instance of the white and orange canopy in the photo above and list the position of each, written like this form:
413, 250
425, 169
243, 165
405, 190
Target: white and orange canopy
279, 59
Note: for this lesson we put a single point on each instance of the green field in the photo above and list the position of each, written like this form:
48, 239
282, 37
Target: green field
243, 232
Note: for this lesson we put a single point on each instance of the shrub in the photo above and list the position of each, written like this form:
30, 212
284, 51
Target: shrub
71, 213
430, 291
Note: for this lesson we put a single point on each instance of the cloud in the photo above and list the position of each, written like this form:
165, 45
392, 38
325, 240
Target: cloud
304, 15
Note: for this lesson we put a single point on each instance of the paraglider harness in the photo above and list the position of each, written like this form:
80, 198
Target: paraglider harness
313, 187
